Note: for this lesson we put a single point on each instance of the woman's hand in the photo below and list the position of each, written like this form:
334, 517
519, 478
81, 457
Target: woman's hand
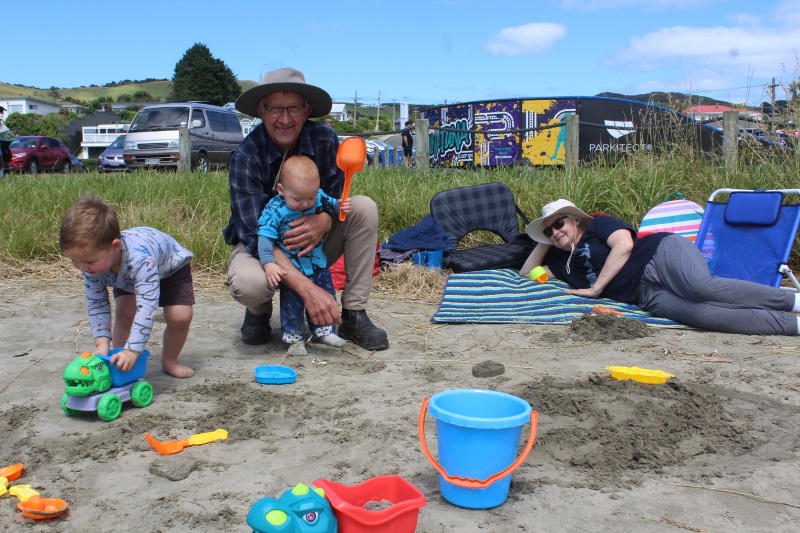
591, 292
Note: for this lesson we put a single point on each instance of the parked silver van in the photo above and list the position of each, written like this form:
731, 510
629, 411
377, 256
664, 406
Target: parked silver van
153, 138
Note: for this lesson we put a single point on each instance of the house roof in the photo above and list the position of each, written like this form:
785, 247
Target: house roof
31, 99
716, 108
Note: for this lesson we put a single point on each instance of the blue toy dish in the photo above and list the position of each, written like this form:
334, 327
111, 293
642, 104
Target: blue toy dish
275, 375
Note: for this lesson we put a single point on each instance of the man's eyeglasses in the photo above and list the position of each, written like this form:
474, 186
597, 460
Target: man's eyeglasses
274, 111
557, 224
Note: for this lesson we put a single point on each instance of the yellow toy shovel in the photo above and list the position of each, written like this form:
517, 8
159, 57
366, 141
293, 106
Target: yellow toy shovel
174, 446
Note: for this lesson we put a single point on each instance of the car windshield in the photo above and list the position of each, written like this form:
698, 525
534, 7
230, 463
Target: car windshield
24, 143
119, 142
160, 118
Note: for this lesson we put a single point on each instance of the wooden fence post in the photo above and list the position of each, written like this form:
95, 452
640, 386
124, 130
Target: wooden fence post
730, 138
185, 141
421, 126
573, 152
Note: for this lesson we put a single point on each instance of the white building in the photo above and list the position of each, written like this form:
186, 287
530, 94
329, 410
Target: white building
339, 112
29, 105
97, 138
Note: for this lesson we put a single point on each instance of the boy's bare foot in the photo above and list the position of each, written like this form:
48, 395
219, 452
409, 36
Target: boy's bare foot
176, 370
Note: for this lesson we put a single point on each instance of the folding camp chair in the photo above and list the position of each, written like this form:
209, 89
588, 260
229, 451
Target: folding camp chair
489, 207
750, 236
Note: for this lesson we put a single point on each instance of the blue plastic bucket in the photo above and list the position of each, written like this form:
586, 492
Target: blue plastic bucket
478, 433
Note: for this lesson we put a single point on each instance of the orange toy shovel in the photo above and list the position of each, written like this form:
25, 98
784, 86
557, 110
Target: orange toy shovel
174, 446
351, 157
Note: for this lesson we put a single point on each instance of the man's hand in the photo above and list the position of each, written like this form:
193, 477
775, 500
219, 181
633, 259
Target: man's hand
274, 273
124, 360
346, 206
321, 306
307, 232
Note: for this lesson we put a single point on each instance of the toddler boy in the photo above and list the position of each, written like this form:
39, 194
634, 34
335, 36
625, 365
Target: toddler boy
145, 267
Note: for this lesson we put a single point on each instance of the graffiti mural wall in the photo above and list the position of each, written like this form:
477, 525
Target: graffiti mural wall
530, 131
453, 144
496, 149
545, 147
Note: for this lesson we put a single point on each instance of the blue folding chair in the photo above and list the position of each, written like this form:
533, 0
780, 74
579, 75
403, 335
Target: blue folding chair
750, 236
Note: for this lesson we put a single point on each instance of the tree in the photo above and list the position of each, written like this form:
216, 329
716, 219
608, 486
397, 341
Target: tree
201, 77
33, 124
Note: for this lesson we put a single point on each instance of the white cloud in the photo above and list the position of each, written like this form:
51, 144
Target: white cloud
533, 38
761, 49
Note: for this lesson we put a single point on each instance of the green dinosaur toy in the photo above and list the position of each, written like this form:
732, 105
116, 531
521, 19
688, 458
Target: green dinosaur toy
93, 383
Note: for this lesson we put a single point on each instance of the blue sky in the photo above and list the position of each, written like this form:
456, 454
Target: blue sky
422, 52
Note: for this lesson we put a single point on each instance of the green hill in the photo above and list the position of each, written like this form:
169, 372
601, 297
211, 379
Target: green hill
159, 90
677, 101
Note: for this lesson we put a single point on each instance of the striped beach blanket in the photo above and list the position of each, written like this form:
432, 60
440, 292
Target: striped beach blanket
503, 297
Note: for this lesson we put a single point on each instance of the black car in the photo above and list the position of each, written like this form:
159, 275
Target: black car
77, 164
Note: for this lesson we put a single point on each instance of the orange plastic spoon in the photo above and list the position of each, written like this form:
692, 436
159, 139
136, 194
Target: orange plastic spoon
351, 158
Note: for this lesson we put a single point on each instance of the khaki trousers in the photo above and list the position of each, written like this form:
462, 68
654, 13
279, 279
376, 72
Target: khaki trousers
356, 237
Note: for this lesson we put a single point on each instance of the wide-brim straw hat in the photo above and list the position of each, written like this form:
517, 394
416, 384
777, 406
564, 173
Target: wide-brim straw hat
536, 228
285, 80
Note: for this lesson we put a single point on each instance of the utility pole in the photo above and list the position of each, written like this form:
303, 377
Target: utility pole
355, 105
378, 115
394, 108
772, 101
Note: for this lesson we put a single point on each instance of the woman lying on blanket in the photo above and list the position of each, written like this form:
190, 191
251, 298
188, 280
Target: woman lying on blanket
663, 273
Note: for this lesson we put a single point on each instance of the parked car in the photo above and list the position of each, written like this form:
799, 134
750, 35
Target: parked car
111, 159
35, 154
384, 151
153, 140
77, 164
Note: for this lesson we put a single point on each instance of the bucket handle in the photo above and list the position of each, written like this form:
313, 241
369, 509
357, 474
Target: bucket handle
466, 482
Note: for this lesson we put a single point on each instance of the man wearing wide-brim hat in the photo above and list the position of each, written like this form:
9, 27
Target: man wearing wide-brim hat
284, 102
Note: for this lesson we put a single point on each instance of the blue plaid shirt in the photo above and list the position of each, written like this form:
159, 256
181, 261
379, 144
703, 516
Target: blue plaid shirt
253, 168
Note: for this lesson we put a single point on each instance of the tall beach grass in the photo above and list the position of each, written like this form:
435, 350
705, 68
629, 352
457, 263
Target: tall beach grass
195, 208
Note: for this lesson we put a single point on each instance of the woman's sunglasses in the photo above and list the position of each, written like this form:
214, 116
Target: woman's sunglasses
557, 224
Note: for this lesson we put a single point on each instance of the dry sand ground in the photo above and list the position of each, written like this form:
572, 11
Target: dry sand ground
717, 451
